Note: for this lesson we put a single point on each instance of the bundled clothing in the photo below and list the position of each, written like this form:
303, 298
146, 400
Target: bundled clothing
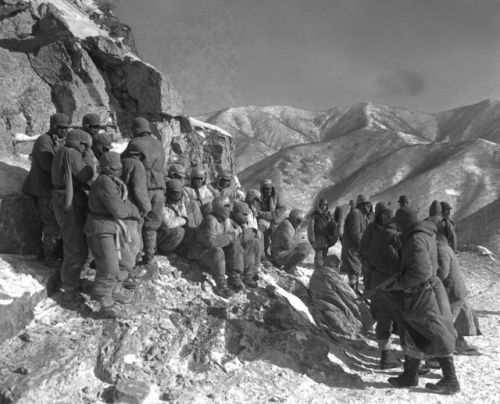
69, 175
449, 232
339, 216
286, 249
272, 212
39, 185
106, 232
203, 196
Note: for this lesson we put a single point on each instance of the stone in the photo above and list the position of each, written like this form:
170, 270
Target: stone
131, 391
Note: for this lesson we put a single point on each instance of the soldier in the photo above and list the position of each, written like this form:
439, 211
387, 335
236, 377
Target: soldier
272, 211
339, 216
429, 331
436, 216
225, 186
252, 199
70, 174
321, 232
381, 261
248, 237
286, 249
216, 248
106, 233
38, 184
198, 191
178, 229
355, 225
176, 172
449, 226
154, 163
101, 143
91, 123
134, 177
402, 212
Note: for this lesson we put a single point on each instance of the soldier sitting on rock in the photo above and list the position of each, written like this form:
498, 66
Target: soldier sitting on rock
216, 247
39, 185
287, 250
107, 234
70, 174
198, 191
224, 186
176, 172
321, 232
272, 211
249, 240
180, 220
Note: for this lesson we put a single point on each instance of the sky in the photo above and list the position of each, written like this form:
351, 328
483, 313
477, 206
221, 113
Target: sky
427, 55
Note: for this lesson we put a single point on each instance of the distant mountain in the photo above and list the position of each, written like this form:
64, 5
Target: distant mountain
382, 151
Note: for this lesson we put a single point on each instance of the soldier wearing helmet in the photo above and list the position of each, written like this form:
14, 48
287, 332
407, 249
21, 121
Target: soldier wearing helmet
198, 191
154, 164
356, 223
70, 174
287, 250
38, 184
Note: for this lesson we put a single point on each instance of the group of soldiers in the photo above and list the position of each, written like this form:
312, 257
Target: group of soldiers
412, 278
126, 208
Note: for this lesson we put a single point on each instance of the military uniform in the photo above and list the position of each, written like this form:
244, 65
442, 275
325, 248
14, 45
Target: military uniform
69, 175
272, 211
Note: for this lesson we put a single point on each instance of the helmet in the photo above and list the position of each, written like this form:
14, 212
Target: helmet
103, 140
76, 138
110, 163
296, 217
241, 212
253, 194
226, 175
177, 169
403, 199
445, 206
198, 172
362, 198
91, 120
221, 207
379, 207
435, 209
140, 125
267, 183
59, 119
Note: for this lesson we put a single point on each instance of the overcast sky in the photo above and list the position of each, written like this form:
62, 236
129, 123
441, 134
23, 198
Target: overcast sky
429, 55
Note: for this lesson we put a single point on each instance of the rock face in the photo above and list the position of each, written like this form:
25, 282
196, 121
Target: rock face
179, 342
74, 57
384, 152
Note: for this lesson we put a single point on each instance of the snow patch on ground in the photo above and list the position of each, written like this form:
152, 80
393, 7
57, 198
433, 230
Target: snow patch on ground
452, 192
14, 283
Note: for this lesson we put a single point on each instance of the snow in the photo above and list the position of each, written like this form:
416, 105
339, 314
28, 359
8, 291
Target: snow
452, 192
205, 125
80, 25
14, 283
22, 137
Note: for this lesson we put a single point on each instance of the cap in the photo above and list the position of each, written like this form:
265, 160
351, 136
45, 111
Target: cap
197, 172
91, 119
445, 206
140, 125
59, 119
403, 199
362, 198
110, 160
174, 186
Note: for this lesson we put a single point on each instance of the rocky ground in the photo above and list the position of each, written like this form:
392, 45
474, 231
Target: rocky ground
181, 343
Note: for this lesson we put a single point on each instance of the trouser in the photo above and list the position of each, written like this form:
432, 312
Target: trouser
51, 235
106, 266
170, 239
292, 257
252, 253
130, 250
383, 329
219, 259
267, 229
75, 246
319, 256
152, 221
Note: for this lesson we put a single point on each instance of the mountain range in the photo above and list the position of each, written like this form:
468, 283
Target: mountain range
382, 151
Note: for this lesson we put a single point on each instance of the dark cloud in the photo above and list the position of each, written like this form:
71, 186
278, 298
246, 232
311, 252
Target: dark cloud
400, 83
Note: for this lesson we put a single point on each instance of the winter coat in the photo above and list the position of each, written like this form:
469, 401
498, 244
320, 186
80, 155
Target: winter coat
272, 208
450, 273
449, 232
38, 181
212, 233
401, 216
355, 225
174, 215
202, 195
154, 159
107, 204
339, 216
426, 311
321, 230
134, 176
284, 239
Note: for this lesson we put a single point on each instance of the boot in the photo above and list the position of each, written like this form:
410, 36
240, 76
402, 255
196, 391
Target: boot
235, 283
147, 259
409, 377
111, 312
388, 360
73, 296
462, 347
449, 383
121, 297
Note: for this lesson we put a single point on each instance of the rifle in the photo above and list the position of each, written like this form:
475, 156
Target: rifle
380, 286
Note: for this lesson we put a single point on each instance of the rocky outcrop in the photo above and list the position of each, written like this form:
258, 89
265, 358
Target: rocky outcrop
179, 342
